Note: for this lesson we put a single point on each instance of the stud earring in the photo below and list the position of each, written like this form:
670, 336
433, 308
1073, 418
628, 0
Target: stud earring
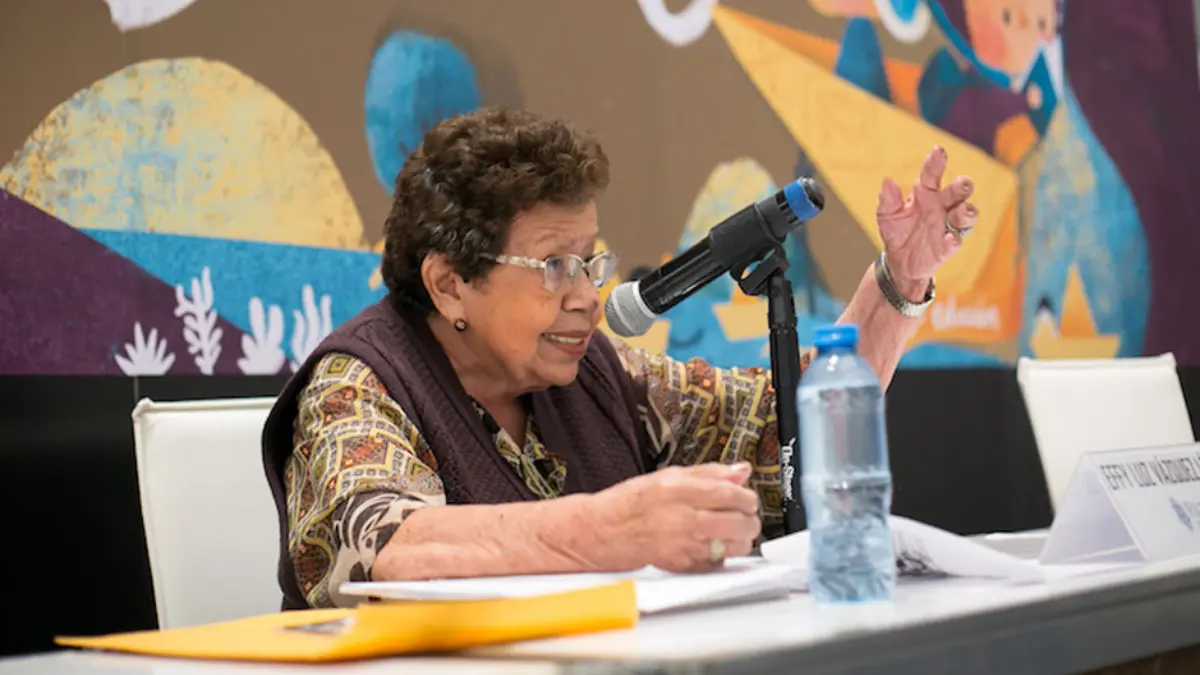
460, 325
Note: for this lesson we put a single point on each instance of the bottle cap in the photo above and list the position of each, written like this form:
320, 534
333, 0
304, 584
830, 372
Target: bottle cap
843, 335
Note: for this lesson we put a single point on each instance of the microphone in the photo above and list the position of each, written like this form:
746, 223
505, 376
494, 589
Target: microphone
739, 241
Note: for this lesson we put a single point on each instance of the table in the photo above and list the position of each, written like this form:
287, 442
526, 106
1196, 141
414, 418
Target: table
934, 627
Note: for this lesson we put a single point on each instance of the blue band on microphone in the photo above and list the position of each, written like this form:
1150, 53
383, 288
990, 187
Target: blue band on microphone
799, 201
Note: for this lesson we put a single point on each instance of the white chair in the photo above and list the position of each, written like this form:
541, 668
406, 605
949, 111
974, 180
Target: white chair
1081, 406
211, 527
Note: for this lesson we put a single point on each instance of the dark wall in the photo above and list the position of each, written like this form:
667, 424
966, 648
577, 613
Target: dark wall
75, 558
75, 561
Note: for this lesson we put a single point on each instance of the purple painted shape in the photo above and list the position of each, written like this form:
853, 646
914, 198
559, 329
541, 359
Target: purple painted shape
1143, 104
979, 110
68, 304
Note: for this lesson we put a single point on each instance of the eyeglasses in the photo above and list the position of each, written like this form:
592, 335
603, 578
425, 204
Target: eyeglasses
561, 271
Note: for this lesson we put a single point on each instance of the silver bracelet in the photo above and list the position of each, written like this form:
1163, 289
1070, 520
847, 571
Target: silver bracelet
883, 277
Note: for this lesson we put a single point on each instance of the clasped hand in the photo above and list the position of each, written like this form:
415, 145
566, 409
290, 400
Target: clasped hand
668, 518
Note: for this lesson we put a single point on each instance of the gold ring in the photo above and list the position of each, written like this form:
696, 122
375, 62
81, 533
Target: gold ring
716, 550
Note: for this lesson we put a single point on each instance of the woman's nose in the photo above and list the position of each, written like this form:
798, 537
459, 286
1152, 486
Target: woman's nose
1022, 19
582, 295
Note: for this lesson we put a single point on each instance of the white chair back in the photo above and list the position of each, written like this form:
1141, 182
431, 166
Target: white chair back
1086, 405
211, 527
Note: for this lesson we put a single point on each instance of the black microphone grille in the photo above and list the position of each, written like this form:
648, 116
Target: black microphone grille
786, 209
813, 189
801, 199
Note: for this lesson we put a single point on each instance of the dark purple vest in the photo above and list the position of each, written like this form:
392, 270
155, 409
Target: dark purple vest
591, 423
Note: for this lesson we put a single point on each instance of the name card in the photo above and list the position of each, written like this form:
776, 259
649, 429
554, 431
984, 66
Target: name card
1129, 505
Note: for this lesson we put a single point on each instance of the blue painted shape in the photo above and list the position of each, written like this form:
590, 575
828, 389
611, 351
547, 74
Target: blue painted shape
241, 270
1039, 76
1085, 214
696, 332
940, 84
906, 10
860, 58
414, 82
963, 46
932, 355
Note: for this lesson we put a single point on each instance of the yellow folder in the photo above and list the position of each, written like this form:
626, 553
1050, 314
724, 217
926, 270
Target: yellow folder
385, 629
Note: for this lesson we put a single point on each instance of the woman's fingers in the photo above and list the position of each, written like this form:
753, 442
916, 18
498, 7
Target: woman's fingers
735, 529
711, 487
734, 473
932, 169
962, 217
956, 192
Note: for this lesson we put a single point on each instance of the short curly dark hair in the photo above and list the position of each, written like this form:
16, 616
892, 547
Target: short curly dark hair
460, 191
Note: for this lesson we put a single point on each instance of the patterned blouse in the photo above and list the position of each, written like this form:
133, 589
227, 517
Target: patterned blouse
360, 465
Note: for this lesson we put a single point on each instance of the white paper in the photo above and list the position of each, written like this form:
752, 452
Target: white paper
741, 580
925, 551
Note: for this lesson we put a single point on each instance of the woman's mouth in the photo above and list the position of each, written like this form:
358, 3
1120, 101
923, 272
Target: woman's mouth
573, 343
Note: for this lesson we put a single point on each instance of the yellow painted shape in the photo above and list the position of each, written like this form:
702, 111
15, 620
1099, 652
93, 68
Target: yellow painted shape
376, 278
653, 341
1077, 319
186, 146
1043, 345
1076, 337
902, 76
743, 319
855, 140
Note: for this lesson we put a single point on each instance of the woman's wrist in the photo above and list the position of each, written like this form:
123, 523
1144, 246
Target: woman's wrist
911, 288
914, 290
571, 531
544, 537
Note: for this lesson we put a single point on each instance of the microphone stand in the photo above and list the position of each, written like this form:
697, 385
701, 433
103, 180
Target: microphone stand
769, 279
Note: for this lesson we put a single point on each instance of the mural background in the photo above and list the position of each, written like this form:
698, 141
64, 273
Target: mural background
200, 187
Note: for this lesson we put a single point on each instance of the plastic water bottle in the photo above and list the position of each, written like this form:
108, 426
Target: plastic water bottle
846, 482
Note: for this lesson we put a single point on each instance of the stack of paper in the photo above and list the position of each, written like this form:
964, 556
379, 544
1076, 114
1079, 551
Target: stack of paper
741, 580
925, 551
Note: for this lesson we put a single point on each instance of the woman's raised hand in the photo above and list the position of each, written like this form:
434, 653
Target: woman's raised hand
922, 230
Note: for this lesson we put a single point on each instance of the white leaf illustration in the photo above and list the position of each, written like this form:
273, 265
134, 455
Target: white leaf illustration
146, 356
310, 327
262, 350
200, 330
134, 14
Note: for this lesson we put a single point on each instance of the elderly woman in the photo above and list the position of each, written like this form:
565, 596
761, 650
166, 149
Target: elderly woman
474, 422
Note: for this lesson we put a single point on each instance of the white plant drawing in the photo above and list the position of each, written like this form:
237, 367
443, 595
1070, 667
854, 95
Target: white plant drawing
200, 329
133, 14
147, 355
310, 327
262, 348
